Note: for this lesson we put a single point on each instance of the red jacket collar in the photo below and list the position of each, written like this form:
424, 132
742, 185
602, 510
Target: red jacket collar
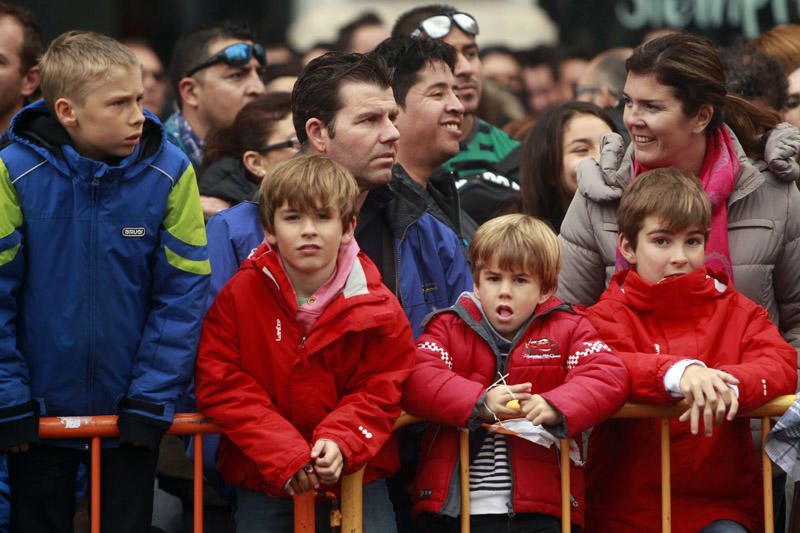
690, 289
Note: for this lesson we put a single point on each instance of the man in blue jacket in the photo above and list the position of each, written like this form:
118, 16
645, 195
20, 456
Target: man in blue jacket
343, 107
103, 276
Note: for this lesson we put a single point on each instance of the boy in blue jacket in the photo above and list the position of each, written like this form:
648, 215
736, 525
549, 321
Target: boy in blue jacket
103, 274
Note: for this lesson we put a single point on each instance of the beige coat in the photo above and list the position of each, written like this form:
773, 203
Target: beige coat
763, 228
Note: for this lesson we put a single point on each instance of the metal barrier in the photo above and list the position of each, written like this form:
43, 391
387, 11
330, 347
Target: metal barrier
98, 427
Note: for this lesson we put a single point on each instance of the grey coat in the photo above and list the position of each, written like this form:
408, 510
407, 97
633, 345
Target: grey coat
763, 228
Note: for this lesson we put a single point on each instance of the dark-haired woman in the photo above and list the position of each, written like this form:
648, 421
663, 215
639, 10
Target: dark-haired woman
562, 137
679, 115
237, 158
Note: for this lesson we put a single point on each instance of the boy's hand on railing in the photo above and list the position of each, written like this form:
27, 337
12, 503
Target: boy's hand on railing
303, 481
494, 405
328, 461
709, 393
19, 448
539, 412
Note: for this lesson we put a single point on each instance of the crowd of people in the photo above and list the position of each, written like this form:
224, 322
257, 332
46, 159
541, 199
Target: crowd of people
301, 246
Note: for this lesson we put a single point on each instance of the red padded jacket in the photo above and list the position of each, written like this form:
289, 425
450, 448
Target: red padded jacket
651, 327
559, 352
274, 393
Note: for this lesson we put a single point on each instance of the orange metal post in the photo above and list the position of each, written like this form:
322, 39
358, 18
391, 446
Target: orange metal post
198, 483
352, 502
666, 496
304, 512
766, 474
95, 516
463, 450
566, 516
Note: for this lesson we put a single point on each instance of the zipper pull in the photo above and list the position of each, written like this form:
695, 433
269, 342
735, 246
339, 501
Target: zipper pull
303, 342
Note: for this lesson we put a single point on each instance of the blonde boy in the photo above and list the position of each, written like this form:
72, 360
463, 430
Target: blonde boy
103, 272
683, 332
303, 354
510, 339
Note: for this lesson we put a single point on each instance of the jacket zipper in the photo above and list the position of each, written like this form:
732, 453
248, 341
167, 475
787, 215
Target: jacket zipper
92, 289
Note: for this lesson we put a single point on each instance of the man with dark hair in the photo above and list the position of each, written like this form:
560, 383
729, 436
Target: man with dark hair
430, 121
540, 78
20, 46
342, 107
482, 146
363, 34
215, 70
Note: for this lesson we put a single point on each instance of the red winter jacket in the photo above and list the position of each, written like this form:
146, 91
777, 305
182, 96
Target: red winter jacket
713, 478
274, 393
559, 353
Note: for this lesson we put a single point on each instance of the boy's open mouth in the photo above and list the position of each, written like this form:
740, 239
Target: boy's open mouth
504, 312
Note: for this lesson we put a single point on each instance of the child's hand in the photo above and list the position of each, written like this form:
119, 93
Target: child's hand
708, 393
499, 396
19, 448
538, 411
303, 481
328, 461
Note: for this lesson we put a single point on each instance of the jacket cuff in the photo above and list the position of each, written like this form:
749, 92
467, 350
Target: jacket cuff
20, 431
137, 428
475, 420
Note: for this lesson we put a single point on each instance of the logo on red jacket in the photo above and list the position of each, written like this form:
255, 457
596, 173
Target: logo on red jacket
541, 349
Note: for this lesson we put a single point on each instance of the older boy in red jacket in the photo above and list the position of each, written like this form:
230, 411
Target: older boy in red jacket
683, 332
303, 354
510, 339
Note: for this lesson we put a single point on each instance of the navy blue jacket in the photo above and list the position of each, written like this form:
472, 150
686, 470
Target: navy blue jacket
103, 276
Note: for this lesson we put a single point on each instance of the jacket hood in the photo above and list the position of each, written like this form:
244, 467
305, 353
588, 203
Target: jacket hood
604, 181
35, 126
680, 294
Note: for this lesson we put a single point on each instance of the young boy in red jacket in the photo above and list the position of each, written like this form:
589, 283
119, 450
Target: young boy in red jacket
303, 355
509, 339
684, 333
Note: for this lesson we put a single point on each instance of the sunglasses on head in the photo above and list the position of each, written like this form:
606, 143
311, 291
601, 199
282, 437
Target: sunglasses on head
438, 26
235, 55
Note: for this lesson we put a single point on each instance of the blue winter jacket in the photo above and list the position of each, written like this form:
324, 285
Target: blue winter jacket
103, 277
430, 267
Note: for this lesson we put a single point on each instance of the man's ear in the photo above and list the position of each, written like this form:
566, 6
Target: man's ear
349, 230
30, 81
253, 163
317, 133
189, 88
626, 249
65, 112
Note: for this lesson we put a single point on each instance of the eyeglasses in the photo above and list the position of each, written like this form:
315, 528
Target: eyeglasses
291, 143
438, 26
235, 55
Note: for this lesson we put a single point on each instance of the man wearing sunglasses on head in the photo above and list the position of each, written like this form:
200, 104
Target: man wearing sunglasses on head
215, 71
483, 147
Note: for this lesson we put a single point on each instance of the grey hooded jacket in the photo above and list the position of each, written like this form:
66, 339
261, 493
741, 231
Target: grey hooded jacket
763, 227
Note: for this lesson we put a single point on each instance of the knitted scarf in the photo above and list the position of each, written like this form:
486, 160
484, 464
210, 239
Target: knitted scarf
717, 177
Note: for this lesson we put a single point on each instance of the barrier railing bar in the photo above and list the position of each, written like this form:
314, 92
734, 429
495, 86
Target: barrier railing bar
566, 512
197, 483
463, 453
666, 489
95, 498
766, 476
304, 516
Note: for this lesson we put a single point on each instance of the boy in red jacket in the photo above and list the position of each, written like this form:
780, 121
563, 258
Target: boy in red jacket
509, 339
684, 333
303, 355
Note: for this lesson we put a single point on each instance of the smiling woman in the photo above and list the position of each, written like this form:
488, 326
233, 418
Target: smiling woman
679, 114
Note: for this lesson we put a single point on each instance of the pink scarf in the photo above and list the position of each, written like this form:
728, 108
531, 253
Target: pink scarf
717, 177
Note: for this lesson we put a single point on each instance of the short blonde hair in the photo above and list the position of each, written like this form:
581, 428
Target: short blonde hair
673, 195
77, 61
307, 182
519, 243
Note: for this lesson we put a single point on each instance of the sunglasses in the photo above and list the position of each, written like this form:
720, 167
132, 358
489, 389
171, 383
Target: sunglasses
235, 55
438, 26
291, 143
